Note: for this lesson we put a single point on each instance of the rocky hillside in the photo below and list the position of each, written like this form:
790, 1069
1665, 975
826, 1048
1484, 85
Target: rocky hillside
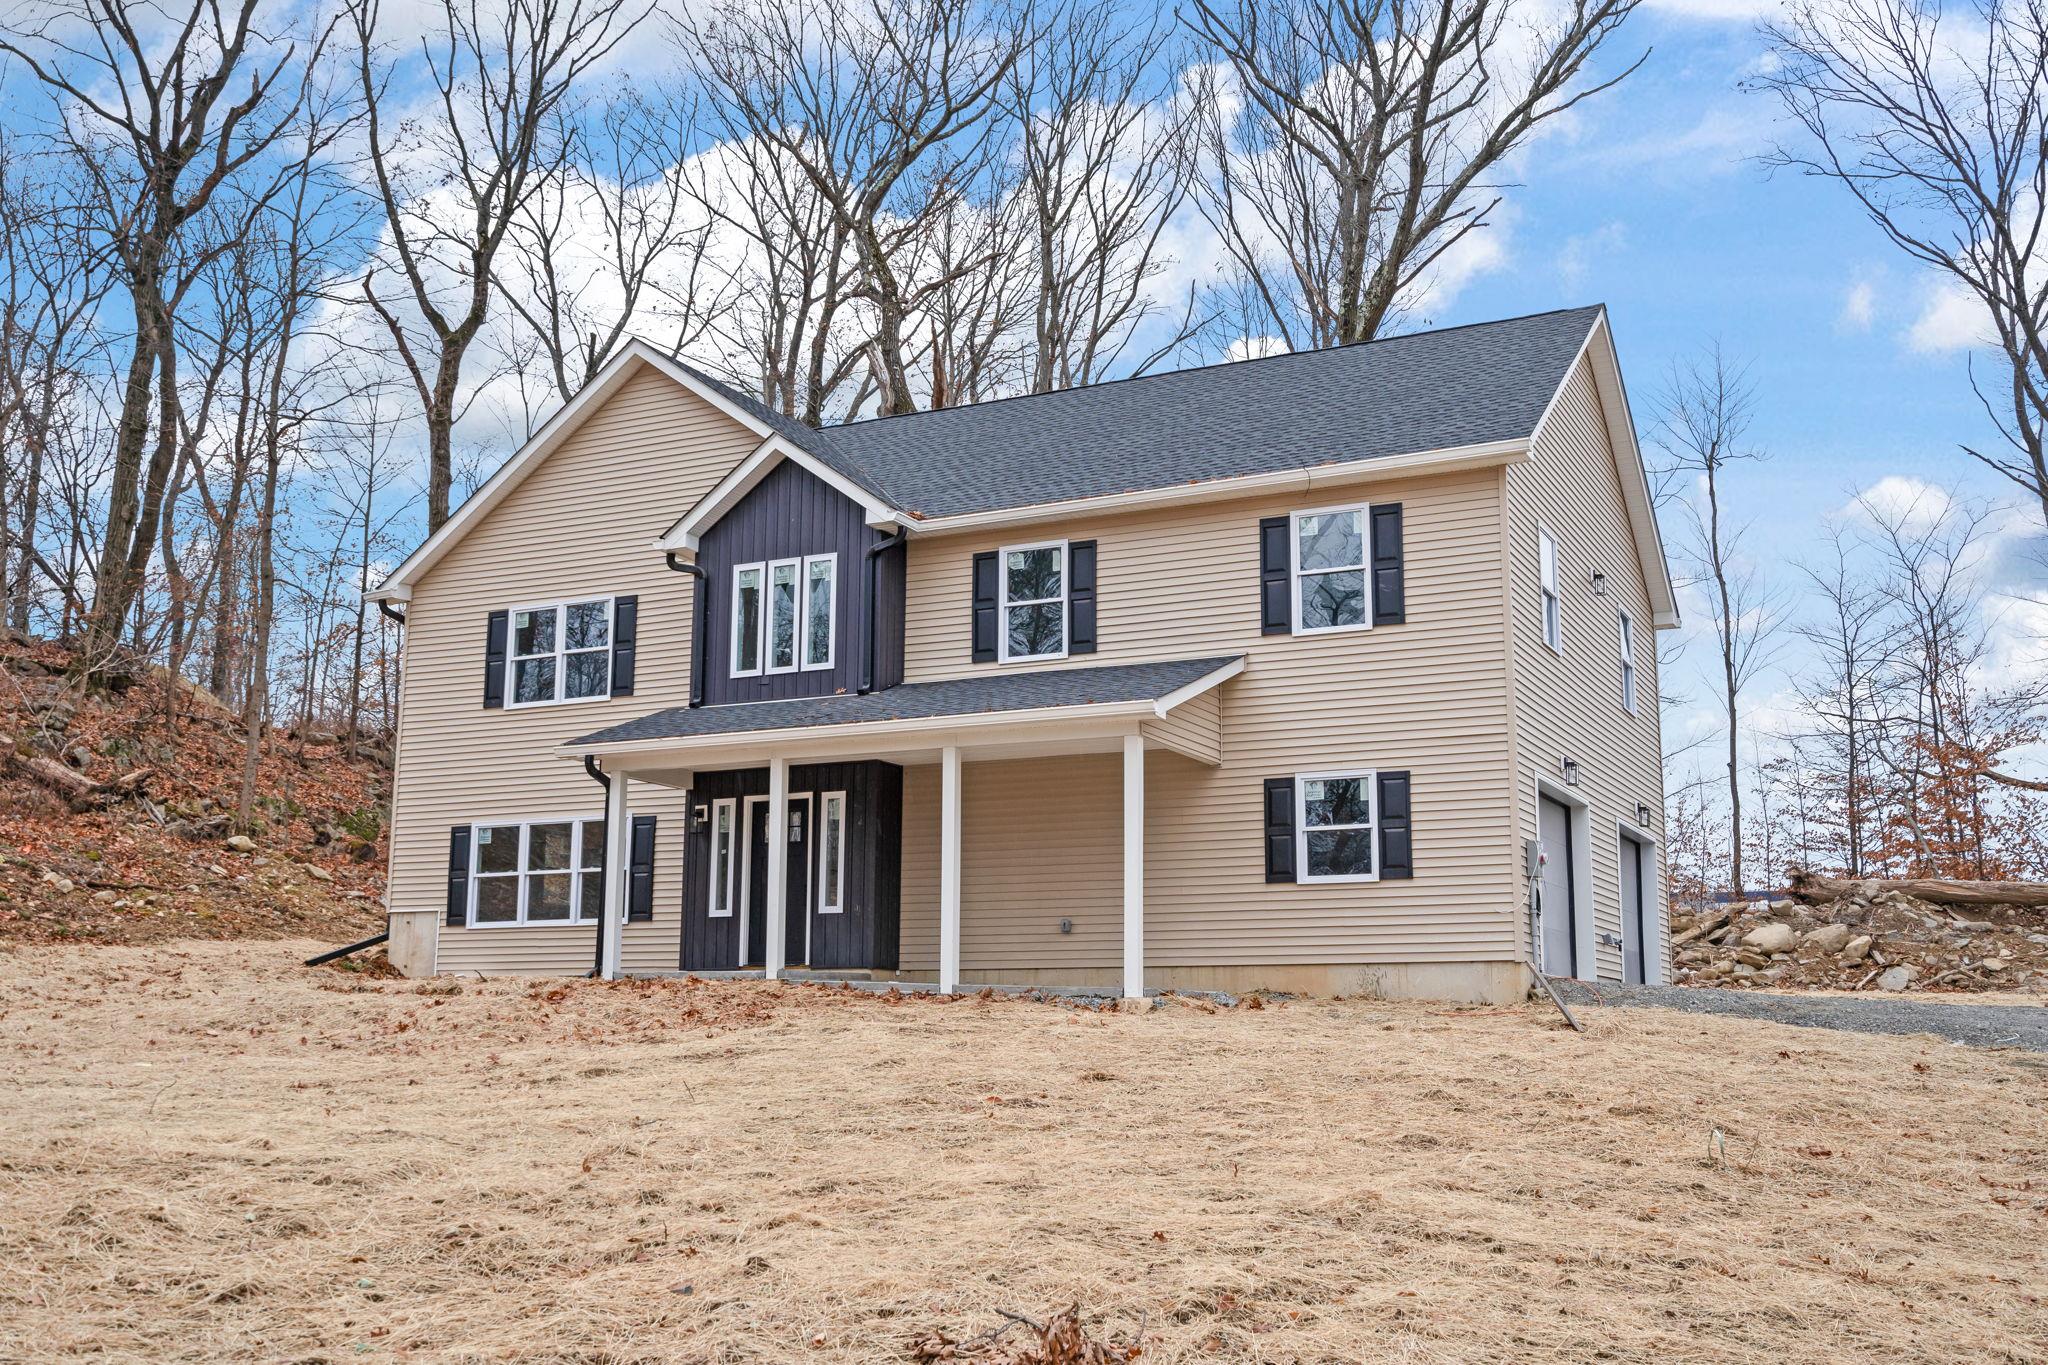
116, 813
1868, 939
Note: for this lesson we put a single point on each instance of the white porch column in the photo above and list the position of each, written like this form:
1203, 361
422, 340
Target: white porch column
1134, 867
618, 882
949, 871
778, 864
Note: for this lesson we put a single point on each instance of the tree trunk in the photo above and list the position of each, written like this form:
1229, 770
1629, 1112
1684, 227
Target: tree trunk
1808, 887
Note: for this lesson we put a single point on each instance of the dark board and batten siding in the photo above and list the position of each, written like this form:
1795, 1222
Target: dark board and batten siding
866, 933
792, 513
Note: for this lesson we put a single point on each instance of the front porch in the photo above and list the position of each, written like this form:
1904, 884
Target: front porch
796, 837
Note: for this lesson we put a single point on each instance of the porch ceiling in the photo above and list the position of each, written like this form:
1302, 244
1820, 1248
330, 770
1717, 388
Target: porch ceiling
1065, 710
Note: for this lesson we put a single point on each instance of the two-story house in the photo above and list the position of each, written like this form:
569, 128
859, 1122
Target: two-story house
1274, 673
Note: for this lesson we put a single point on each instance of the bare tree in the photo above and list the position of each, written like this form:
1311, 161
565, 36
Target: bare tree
1932, 120
151, 114
453, 180
884, 105
614, 241
1356, 142
1707, 412
1105, 160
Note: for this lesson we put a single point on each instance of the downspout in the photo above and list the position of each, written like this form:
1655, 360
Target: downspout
868, 594
590, 766
702, 595
391, 613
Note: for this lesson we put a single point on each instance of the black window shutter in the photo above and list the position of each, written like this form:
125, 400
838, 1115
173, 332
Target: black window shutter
1276, 597
1081, 597
625, 638
458, 876
1397, 846
985, 605
494, 658
1389, 603
1279, 829
640, 885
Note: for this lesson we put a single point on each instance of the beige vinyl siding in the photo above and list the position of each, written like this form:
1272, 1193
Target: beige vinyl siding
1571, 704
1428, 696
578, 526
1195, 727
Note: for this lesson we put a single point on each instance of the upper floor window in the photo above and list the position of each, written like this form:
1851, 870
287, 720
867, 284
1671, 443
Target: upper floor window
1553, 606
561, 652
1330, 573
1034, 602
1628, 664
782, 614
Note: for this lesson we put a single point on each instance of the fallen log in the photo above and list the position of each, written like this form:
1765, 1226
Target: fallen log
1808, 887
1702, 929
82, 792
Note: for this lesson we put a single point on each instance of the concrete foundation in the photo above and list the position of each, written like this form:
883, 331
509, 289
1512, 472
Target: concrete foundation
1478, 983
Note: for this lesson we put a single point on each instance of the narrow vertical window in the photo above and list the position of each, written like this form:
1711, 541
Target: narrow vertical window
1553, 612
821, 574
1628, 664
746, 619
782, 598
721, 858
590, 871
831, 852
1330, 570
1034, 605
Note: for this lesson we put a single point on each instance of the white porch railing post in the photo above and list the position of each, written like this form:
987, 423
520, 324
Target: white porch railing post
949, 871
618, 882
777, 909
1134, 867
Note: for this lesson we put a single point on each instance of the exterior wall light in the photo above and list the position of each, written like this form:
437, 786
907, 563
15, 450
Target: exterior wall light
1599, 584
1643, 814
1570, 768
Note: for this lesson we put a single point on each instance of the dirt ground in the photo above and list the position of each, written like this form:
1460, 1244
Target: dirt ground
207, 1152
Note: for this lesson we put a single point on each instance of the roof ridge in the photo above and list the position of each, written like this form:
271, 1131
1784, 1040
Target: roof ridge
1218, 365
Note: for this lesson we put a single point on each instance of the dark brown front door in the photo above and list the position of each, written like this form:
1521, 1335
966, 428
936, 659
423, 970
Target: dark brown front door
798, 884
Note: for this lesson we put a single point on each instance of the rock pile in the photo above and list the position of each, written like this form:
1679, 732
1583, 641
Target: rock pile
1870, 939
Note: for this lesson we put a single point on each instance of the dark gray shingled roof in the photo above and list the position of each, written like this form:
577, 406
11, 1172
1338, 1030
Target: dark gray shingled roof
921, 701
1459, 386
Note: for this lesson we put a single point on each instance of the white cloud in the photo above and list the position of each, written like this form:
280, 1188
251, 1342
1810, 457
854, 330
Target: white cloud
1859, 307
1914, 503
1254, 348
1581, 251
1951, 319
1714, 11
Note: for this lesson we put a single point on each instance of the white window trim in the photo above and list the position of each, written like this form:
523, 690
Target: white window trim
1370, 777
1550, 601
804, 659
1294, 571
730, 807
574, 871
1003, 603
560, 654
733, 627
1629, 677
824, 806
763, 664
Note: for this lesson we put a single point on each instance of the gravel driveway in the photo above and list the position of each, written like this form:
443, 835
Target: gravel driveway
2022, 1026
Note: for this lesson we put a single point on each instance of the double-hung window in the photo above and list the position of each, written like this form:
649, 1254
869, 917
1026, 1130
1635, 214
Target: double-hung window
782, 615
1330, 573
831, 852
1553, 607
561, 653
543, 872
724, 822
1628, 664
1033, 605
1334, 824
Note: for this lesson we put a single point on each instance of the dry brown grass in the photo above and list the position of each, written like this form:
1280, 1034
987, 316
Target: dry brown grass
208, 1153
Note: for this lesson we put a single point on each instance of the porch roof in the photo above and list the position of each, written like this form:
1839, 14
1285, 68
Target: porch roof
1075, 691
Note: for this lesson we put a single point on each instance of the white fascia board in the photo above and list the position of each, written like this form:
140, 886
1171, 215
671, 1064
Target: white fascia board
1196, 688
748, 473
631, 358
1300, 481
1598, 351
1082, 720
